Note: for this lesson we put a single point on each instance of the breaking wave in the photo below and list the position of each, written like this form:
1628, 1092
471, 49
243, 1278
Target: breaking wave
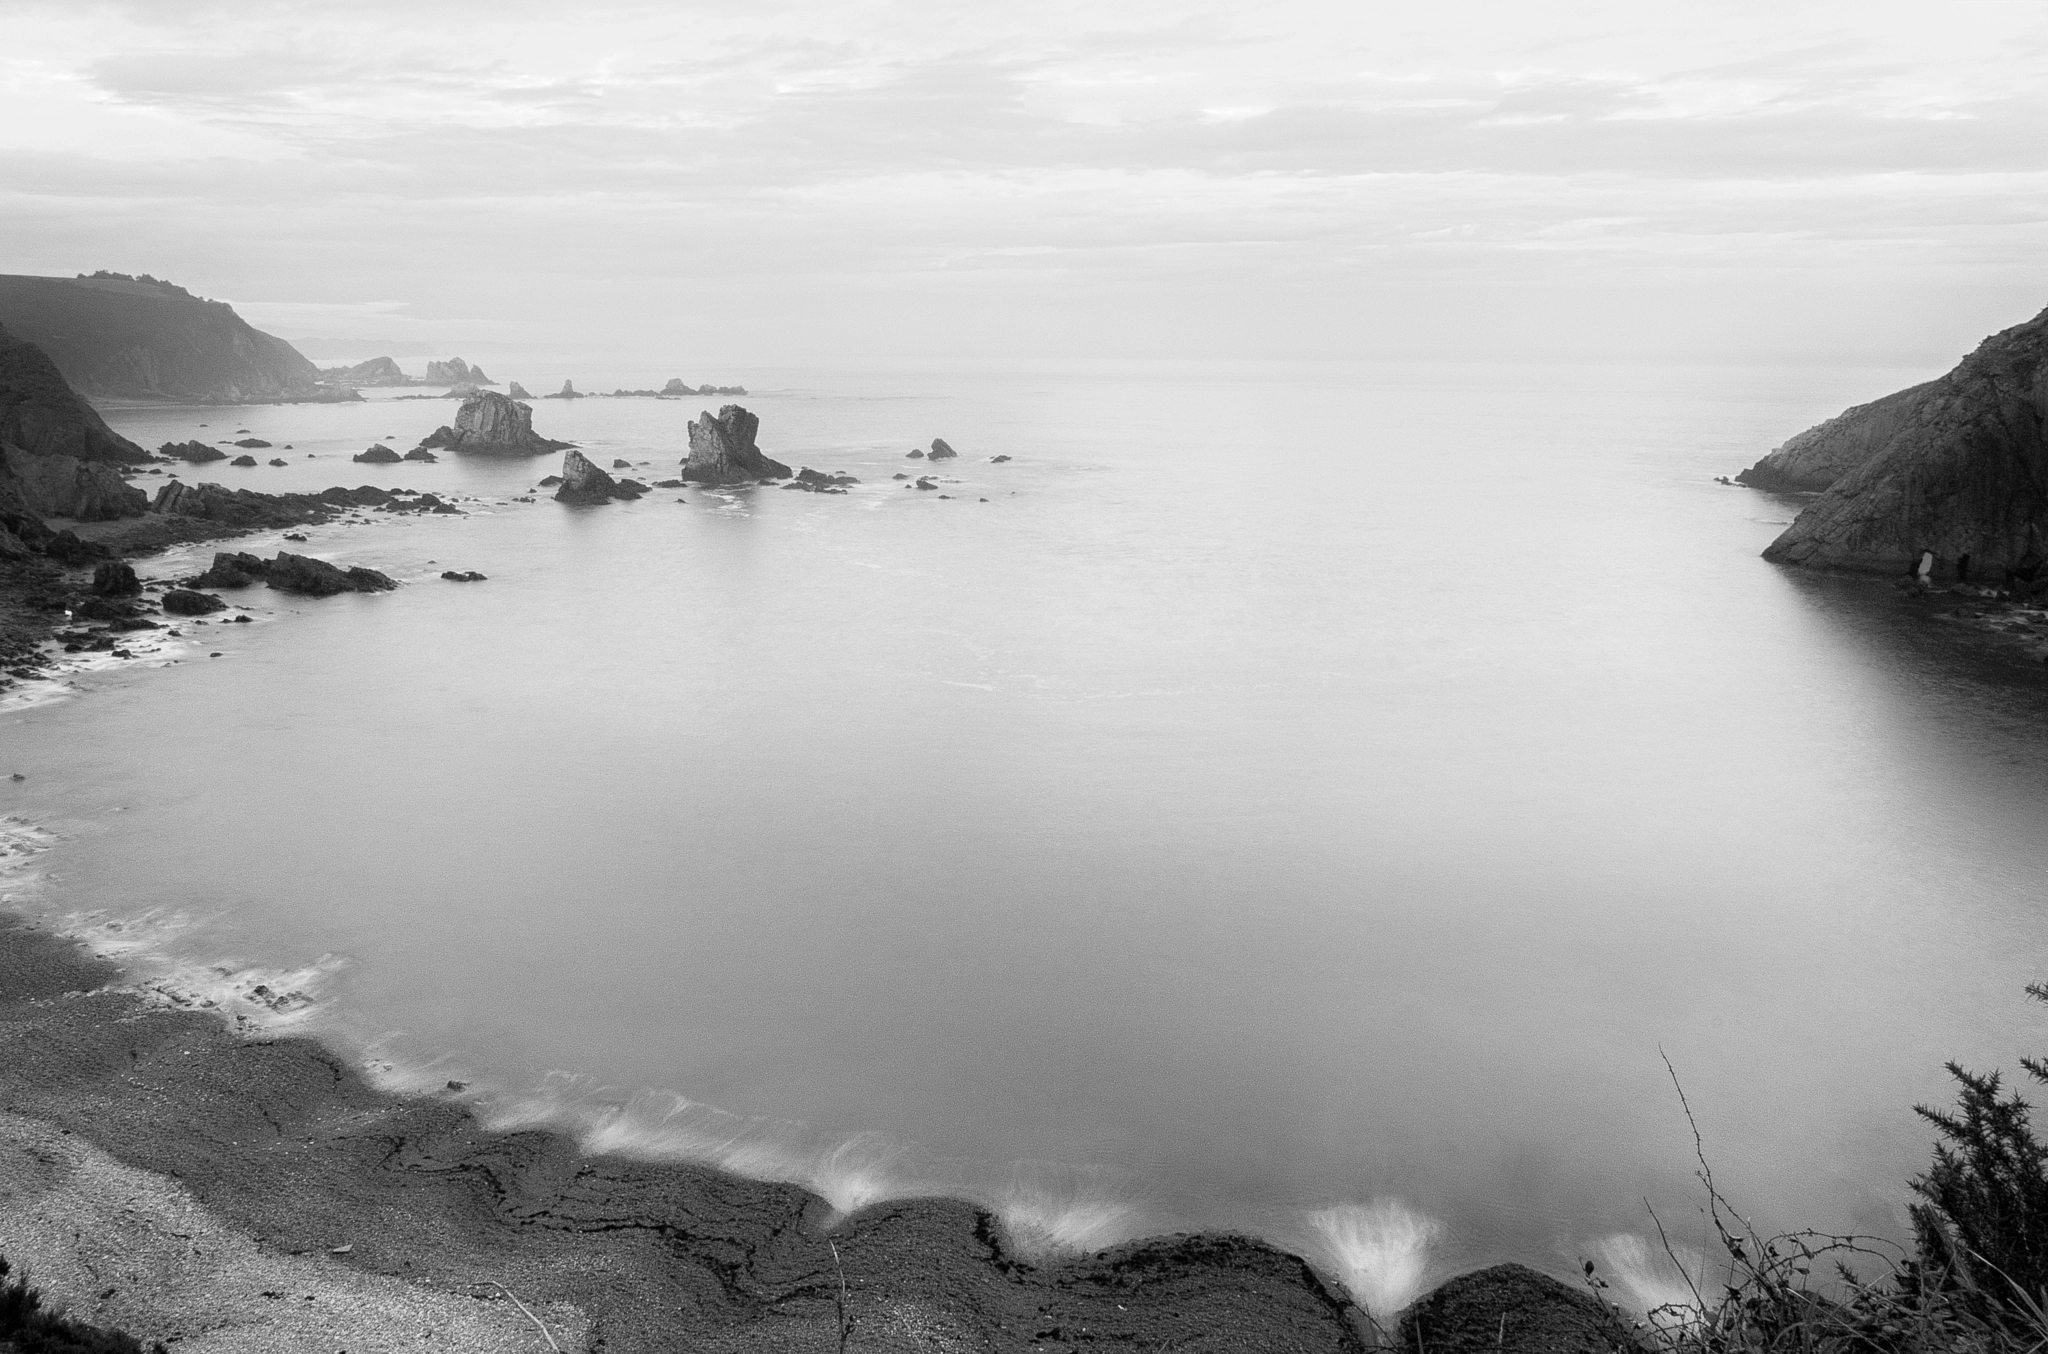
1381, 1250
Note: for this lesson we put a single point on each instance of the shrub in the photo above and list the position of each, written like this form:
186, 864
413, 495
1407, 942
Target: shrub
27, 1328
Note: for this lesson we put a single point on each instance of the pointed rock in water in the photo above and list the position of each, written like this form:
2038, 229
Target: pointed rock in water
1949, 478
583, 482
621, 465
378, 454
915, 454
421, 454
722, 450
492, 422
677, 386
517, 391
567, 392
940, 451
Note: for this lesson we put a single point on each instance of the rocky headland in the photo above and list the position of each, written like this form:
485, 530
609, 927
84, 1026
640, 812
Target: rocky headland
455, 371
1946, 481
722, 450
490, 422
377, 372
58, 457
114, 336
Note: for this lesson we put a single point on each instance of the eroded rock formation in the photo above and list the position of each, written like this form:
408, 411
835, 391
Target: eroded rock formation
722, 450
1949, 478
378, 371
583, 482
290, 573
492, 422
518, 391
941, 451
455, 371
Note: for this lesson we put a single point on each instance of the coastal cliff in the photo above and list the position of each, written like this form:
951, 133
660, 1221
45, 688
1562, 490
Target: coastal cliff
114, 336
58, 457
1949, 479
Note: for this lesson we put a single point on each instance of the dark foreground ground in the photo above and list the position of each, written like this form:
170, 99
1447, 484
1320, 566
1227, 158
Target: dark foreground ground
164, 1173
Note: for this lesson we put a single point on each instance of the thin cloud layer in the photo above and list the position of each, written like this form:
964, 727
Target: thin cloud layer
776, 166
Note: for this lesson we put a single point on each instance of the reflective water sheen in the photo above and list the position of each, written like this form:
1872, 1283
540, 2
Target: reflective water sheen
1306, 800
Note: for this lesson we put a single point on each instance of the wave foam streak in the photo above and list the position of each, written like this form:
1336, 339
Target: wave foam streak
1380, 1250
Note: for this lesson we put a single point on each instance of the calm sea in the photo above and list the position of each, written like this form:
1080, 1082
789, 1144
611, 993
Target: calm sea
1313, 801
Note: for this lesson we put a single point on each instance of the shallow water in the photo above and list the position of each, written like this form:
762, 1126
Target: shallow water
1306, 800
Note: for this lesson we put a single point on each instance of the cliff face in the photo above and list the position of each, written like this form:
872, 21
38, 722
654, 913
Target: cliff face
488, 421
57, 455
1823, 454
1952, 475
722, 450
127, 338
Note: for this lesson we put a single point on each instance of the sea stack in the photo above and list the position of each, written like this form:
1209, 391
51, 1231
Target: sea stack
583, 482
1948, 480
722, 450
455, 371
518, 391
492, 422
941, 451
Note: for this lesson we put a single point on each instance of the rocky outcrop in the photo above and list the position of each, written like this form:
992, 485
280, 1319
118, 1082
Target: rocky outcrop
140, 338
1948, 479
116, 578
378, 371
492, 422
941, 451
290, 573
377, 454
817, 482
567, 392
678, 386
722, 450
41, 414
1512, 1309
186, 602
517, 391
195, 453
583, 482
65, 486
1823, 454
246, 509
455, 371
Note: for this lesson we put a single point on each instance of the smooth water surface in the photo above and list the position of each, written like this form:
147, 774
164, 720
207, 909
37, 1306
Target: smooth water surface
1294, 791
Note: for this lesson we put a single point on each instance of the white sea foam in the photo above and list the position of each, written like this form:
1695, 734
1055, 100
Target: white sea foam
1379, 1249
1049, 1209
160, 969
1649, 1280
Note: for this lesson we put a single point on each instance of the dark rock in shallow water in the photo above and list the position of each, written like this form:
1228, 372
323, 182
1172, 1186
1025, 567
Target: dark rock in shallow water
252, 442
378, 455
246, 462
940, 451
899, 475
462, 576
421, 454
1949, 478
926, 482
550, 481
116, 578
583, 482
668, 484
915, 454
66, 548
317, 578
816, 482
622, 465
997, 460
185, 602
722, 450
492, 422
628, 489
103, 609
1512, 1309
198, 453
275, 461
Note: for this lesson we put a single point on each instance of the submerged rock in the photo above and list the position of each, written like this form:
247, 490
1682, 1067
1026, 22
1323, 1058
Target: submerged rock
722, 450
492, 422
1948, 480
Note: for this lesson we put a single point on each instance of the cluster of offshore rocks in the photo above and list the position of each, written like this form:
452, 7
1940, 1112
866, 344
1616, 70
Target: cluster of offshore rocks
1944, 484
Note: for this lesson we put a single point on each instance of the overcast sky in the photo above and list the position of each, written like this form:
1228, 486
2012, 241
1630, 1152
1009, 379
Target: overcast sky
851, 180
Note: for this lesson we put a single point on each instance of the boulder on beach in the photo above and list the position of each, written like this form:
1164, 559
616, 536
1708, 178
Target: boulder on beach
490, 422
1948, 480
722, 450
379, 454
115, 578
940, 451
